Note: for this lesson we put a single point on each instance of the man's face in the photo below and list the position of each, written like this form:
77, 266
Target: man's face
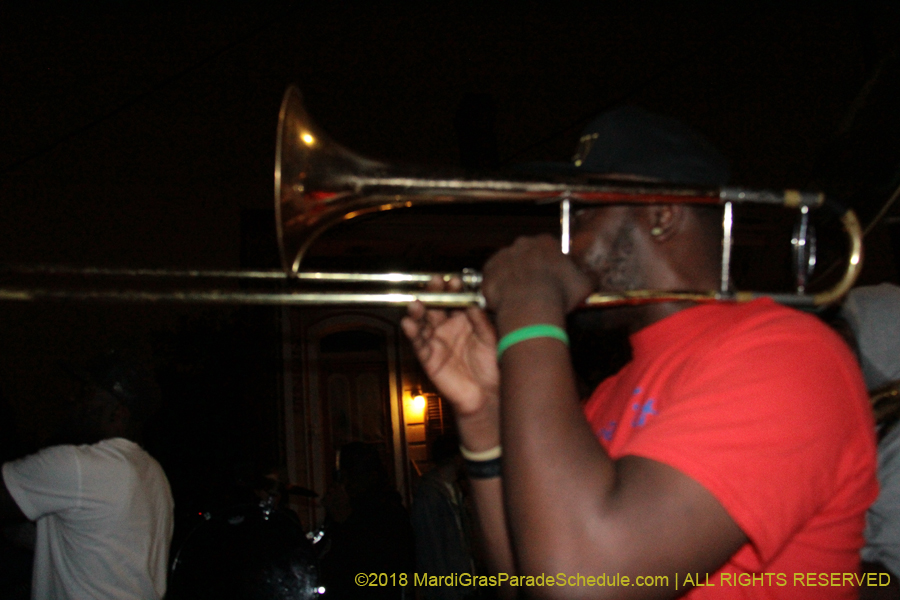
603, 246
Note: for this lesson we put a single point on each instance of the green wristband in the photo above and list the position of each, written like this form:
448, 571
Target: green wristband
530, 332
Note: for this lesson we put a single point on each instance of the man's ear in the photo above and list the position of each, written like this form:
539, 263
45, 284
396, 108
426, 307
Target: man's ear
664, 220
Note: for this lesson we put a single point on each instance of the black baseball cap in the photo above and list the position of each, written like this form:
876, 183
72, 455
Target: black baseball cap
633, 141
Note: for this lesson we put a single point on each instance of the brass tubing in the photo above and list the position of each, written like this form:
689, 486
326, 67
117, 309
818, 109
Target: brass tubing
471, 279
398, 298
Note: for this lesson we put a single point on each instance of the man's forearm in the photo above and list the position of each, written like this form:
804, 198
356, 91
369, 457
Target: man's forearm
480, 433
488, 495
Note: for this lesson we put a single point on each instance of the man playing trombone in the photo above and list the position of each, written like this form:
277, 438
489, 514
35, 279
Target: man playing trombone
733, 457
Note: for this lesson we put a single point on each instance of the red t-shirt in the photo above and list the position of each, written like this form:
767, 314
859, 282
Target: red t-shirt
766, 408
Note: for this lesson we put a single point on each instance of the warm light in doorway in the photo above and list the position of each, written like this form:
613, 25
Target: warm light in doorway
417, 408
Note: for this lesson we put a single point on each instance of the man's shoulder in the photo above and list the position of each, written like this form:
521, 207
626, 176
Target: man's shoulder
117, 453
765, 311
107, 456
116, 445
765, 320
56, 454
113, 459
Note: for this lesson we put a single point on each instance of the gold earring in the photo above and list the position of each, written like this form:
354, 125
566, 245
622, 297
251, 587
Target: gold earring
656, 231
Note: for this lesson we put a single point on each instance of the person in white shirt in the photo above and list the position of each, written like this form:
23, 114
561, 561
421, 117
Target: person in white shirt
103, 506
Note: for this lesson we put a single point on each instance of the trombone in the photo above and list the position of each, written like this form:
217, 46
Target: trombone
319, 184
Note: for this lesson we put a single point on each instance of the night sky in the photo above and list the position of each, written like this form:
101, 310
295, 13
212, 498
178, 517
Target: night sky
139, 137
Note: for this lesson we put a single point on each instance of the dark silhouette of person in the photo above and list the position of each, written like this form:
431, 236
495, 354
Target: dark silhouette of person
368, 528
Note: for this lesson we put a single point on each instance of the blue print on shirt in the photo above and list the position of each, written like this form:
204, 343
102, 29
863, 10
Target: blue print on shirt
645, 410
607, 432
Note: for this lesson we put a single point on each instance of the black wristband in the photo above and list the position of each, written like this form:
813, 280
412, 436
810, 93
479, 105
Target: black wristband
483, 469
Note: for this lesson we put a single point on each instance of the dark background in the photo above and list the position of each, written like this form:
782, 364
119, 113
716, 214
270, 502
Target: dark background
133, 136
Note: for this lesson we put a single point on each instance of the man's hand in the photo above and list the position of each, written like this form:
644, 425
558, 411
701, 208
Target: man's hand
457, 350
532, 279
